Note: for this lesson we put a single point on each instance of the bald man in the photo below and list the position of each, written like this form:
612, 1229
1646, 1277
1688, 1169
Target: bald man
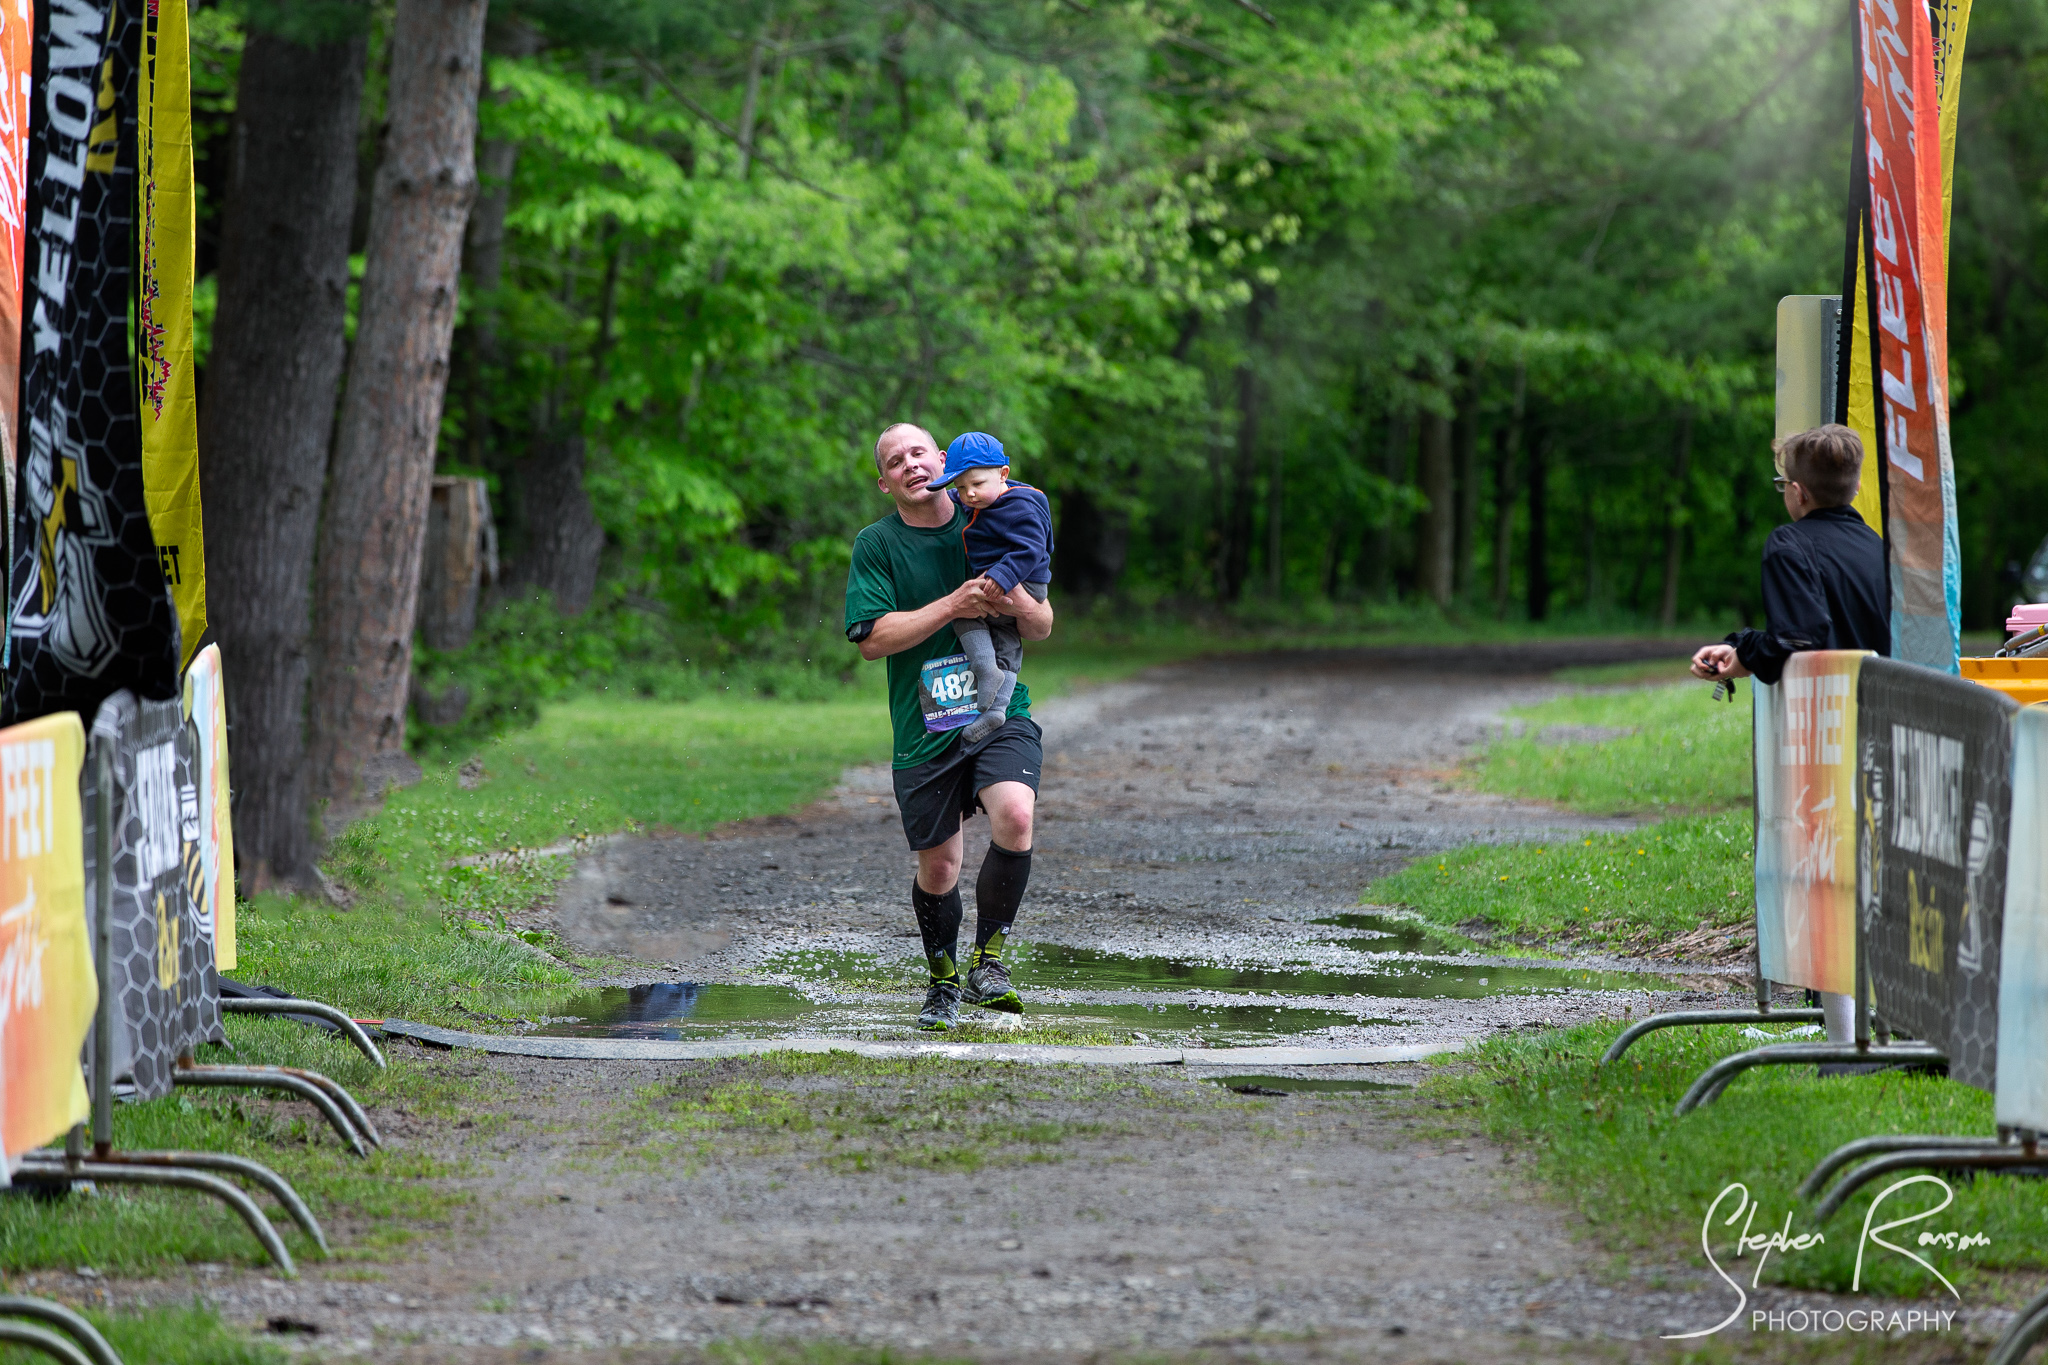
907, 585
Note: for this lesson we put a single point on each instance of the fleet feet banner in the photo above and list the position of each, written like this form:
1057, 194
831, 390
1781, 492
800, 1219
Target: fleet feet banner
1805, 736
1936, 769
90, 614
1898, 280
168, 401
166, 996
16, 51
2022, 1092
47, 989
206, 711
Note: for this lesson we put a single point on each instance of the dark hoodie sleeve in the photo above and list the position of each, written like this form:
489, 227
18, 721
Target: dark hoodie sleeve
1025, 524
1795, 608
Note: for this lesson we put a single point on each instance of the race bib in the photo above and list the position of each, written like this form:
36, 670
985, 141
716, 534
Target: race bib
945, 689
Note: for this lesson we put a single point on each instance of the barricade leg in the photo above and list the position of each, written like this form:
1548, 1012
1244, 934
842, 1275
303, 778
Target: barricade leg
64, 1320
279, 1188
278, 1078
1924, 1158
1706, 1019
356, 1033
1716, 1077
1879, 1145
120, 1173
43, 1339
2029, 1326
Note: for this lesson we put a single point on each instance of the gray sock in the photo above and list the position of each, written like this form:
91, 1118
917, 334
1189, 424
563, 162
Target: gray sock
980, 648
993, 717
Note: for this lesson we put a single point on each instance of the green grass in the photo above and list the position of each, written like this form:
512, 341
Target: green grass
432, 942
1603, 1140
1621, 889
1670, 750
185, 1335
385, 1202
1681, 752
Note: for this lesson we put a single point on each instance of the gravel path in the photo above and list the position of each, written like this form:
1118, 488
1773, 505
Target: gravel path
1204, 813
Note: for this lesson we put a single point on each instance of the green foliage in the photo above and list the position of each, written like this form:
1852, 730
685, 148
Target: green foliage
1604, 1139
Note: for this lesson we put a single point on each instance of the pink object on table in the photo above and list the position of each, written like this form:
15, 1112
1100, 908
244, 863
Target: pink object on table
2026, 617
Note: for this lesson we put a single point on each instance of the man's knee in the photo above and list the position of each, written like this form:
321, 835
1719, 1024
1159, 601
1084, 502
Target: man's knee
1010, 806
938, 869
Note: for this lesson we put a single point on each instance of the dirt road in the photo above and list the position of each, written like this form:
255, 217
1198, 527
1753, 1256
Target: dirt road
1205, 813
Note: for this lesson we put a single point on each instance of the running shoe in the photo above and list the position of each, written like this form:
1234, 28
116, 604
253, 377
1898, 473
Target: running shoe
988, 985
941, 1007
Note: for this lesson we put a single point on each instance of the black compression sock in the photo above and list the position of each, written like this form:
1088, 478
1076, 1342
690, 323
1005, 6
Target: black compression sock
938, 921
998, 891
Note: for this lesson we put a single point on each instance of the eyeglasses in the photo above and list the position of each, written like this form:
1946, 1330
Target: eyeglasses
1781, 483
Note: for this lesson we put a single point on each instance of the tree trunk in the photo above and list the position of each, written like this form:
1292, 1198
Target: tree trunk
1590, 537
563, 542
483, 245
1674, 522
1237, 512
1433, 555
1094, 543
268, 418
1465, 487
1539, 531
1507, 443
1379, 548
371, 537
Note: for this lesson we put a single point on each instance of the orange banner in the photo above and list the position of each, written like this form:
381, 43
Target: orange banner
1908, 264
1805, 861
17, 29
47, 988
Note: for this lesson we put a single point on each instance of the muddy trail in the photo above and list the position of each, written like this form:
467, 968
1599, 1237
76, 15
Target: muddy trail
1204, 835
1204, 831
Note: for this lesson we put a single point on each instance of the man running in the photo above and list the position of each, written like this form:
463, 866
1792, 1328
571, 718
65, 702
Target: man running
908, 583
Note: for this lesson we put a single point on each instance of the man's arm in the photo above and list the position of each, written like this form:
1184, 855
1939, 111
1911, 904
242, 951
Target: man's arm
1034, 618
893, 632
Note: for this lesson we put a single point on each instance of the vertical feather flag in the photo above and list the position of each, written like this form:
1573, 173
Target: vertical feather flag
17, 31
163, 314
1896, 371
90, 614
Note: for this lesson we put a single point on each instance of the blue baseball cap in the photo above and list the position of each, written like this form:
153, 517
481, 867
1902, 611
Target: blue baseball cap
975, 450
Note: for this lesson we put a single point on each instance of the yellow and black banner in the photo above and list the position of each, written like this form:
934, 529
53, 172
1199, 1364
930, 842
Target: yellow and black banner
163, 314
90, 613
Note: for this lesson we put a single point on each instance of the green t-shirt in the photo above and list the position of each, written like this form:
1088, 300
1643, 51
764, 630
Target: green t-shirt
899, 567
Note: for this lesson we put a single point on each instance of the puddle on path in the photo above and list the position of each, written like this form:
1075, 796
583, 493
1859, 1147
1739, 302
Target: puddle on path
851, 993
689, 1010
1397, 978
1299, 1085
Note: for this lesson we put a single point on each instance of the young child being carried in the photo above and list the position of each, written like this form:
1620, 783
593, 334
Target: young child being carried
1009, 541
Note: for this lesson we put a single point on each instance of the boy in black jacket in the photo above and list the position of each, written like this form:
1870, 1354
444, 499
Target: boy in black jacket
1009, 541
1825, 587
1825, 584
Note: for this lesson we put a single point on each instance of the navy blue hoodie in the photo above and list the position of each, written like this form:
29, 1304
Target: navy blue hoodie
1010, 540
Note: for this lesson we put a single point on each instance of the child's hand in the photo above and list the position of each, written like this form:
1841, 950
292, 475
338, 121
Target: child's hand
971, 599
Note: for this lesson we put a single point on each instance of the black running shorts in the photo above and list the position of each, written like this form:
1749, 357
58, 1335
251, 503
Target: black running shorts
937, 795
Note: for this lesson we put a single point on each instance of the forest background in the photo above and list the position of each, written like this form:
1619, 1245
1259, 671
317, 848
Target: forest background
1322, 309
